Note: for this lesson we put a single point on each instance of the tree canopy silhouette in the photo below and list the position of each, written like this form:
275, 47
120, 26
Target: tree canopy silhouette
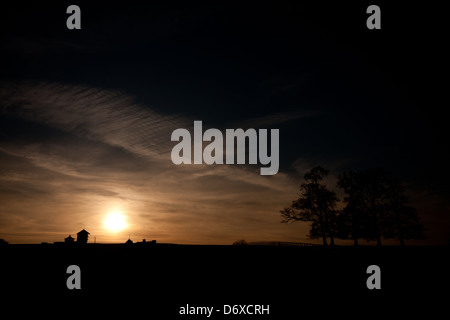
375, 208
403, 221
316, 204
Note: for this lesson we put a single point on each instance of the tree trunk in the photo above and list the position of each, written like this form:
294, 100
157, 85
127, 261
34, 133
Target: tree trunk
378, 241
355, 242
331, 241
322, 230
400, 231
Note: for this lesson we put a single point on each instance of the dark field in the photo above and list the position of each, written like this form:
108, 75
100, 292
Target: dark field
156, 280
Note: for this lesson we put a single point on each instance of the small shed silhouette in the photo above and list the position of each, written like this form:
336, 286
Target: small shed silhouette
69, 239
82, 236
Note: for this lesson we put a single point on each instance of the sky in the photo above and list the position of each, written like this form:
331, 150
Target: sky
86, 116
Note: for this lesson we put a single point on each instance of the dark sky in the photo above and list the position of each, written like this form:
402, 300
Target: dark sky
86, 115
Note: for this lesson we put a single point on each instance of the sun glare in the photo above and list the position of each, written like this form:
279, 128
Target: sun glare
115, 221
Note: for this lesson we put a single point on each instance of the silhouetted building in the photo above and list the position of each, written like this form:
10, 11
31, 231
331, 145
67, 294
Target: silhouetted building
82, 237
129, 241
69, 240
146, 243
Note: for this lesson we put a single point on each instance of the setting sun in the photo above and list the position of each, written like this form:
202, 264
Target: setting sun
115, 221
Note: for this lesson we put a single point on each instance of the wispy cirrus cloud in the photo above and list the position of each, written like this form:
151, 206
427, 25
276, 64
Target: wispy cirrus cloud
76, 152
111, 117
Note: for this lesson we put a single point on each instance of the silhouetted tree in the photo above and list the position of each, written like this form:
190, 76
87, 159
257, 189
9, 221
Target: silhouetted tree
350, 223
240, 243
316, 204
403, 221
353, 221
376, 208
366, 203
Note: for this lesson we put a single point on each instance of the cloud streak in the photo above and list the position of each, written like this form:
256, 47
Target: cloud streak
278, 118
105, 151
100, 115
